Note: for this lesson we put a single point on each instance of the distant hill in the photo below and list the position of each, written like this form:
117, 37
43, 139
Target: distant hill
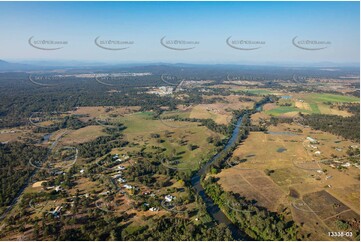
7, 66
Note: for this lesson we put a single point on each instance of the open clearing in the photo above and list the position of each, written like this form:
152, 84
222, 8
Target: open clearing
83, 135
175, 137
323, 194
308, 103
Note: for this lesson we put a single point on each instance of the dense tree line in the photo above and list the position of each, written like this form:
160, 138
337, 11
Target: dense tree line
101, 146
15, 169
257, 222
347, 127
170, 228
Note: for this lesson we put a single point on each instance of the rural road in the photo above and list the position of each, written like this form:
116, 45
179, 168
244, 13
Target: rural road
21, 190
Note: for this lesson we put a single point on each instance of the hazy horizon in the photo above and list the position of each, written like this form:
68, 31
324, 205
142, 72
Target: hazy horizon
275, 33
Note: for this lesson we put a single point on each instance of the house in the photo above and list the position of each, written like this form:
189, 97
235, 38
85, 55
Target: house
313, 141
319, 171
169, 198
121, 168
117, 176
153, 209
104, 193
57, 211
146, 193
128, 186
328, 177
116, 156
58, 188
318, 152
346, 164
81, 171
121, 180
59, 173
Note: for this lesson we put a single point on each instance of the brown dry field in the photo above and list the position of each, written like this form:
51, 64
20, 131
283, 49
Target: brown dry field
220, 112
269, 106
210, 111
291, 171
302, 105
255, 118
333, 111
8, 137
253, 184
82, 135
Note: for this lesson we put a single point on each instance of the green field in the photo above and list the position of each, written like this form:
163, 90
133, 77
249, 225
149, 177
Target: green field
314, 108
325, 97
284, 109
316, 103
141, 126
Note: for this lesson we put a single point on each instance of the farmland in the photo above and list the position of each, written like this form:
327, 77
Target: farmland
318, 103
287, 171
131, 159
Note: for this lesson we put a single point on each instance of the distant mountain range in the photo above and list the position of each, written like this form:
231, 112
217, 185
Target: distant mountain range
7, 66
51, 65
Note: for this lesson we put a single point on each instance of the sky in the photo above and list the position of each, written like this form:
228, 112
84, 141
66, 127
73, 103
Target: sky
207, 25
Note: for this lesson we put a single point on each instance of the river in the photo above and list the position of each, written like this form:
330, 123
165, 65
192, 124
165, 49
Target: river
211, 207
